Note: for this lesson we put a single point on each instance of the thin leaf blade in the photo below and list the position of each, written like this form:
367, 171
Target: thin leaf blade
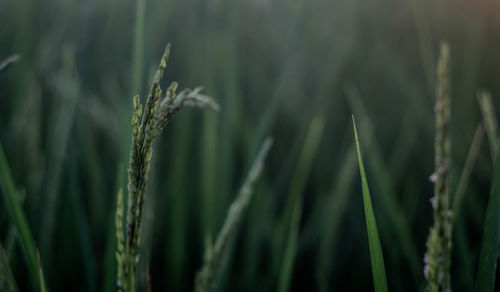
19, 218
485, 280
377, 259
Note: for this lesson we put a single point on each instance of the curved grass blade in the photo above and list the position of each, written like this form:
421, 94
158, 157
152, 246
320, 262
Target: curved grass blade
485, 280
377, 259
19, 218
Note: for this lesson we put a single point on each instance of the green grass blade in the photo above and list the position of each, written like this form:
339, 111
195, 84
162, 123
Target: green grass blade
336, 209
385, 184
485, 280
293, 212
291, 247
489, 120
43, 286
19, 218
377, 259
470, 161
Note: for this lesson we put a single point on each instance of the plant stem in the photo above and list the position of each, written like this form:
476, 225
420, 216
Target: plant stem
147, 124
437, 258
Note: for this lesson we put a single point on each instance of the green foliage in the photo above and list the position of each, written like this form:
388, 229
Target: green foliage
438, 256
336, 210
293, 211
19, 218
489, 121
377, 258
463, 182
43, 286
485, 281
274, 65
385, 183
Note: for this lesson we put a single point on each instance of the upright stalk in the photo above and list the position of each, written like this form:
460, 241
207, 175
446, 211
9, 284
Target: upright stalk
437, 257
147, 124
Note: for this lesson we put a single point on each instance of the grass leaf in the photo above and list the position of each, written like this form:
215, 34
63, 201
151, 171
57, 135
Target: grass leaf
470, 161
489, 120
294, 209
485, 280
385, 184
377, 259
19, 218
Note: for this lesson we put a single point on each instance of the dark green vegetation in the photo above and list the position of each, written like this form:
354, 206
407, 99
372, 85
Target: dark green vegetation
295, 70
376, 256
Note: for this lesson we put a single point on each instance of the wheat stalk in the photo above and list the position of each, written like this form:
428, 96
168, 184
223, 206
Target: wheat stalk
147, 124
437, 257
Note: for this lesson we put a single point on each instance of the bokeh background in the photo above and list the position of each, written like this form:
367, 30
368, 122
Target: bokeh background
295, 70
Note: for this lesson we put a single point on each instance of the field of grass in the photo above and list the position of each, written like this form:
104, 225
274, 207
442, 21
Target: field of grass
271, 191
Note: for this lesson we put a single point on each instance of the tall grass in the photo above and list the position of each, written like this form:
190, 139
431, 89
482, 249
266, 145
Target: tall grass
273, 65
19, 218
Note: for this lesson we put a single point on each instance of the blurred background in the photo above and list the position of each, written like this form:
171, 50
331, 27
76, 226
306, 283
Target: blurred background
295, 70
